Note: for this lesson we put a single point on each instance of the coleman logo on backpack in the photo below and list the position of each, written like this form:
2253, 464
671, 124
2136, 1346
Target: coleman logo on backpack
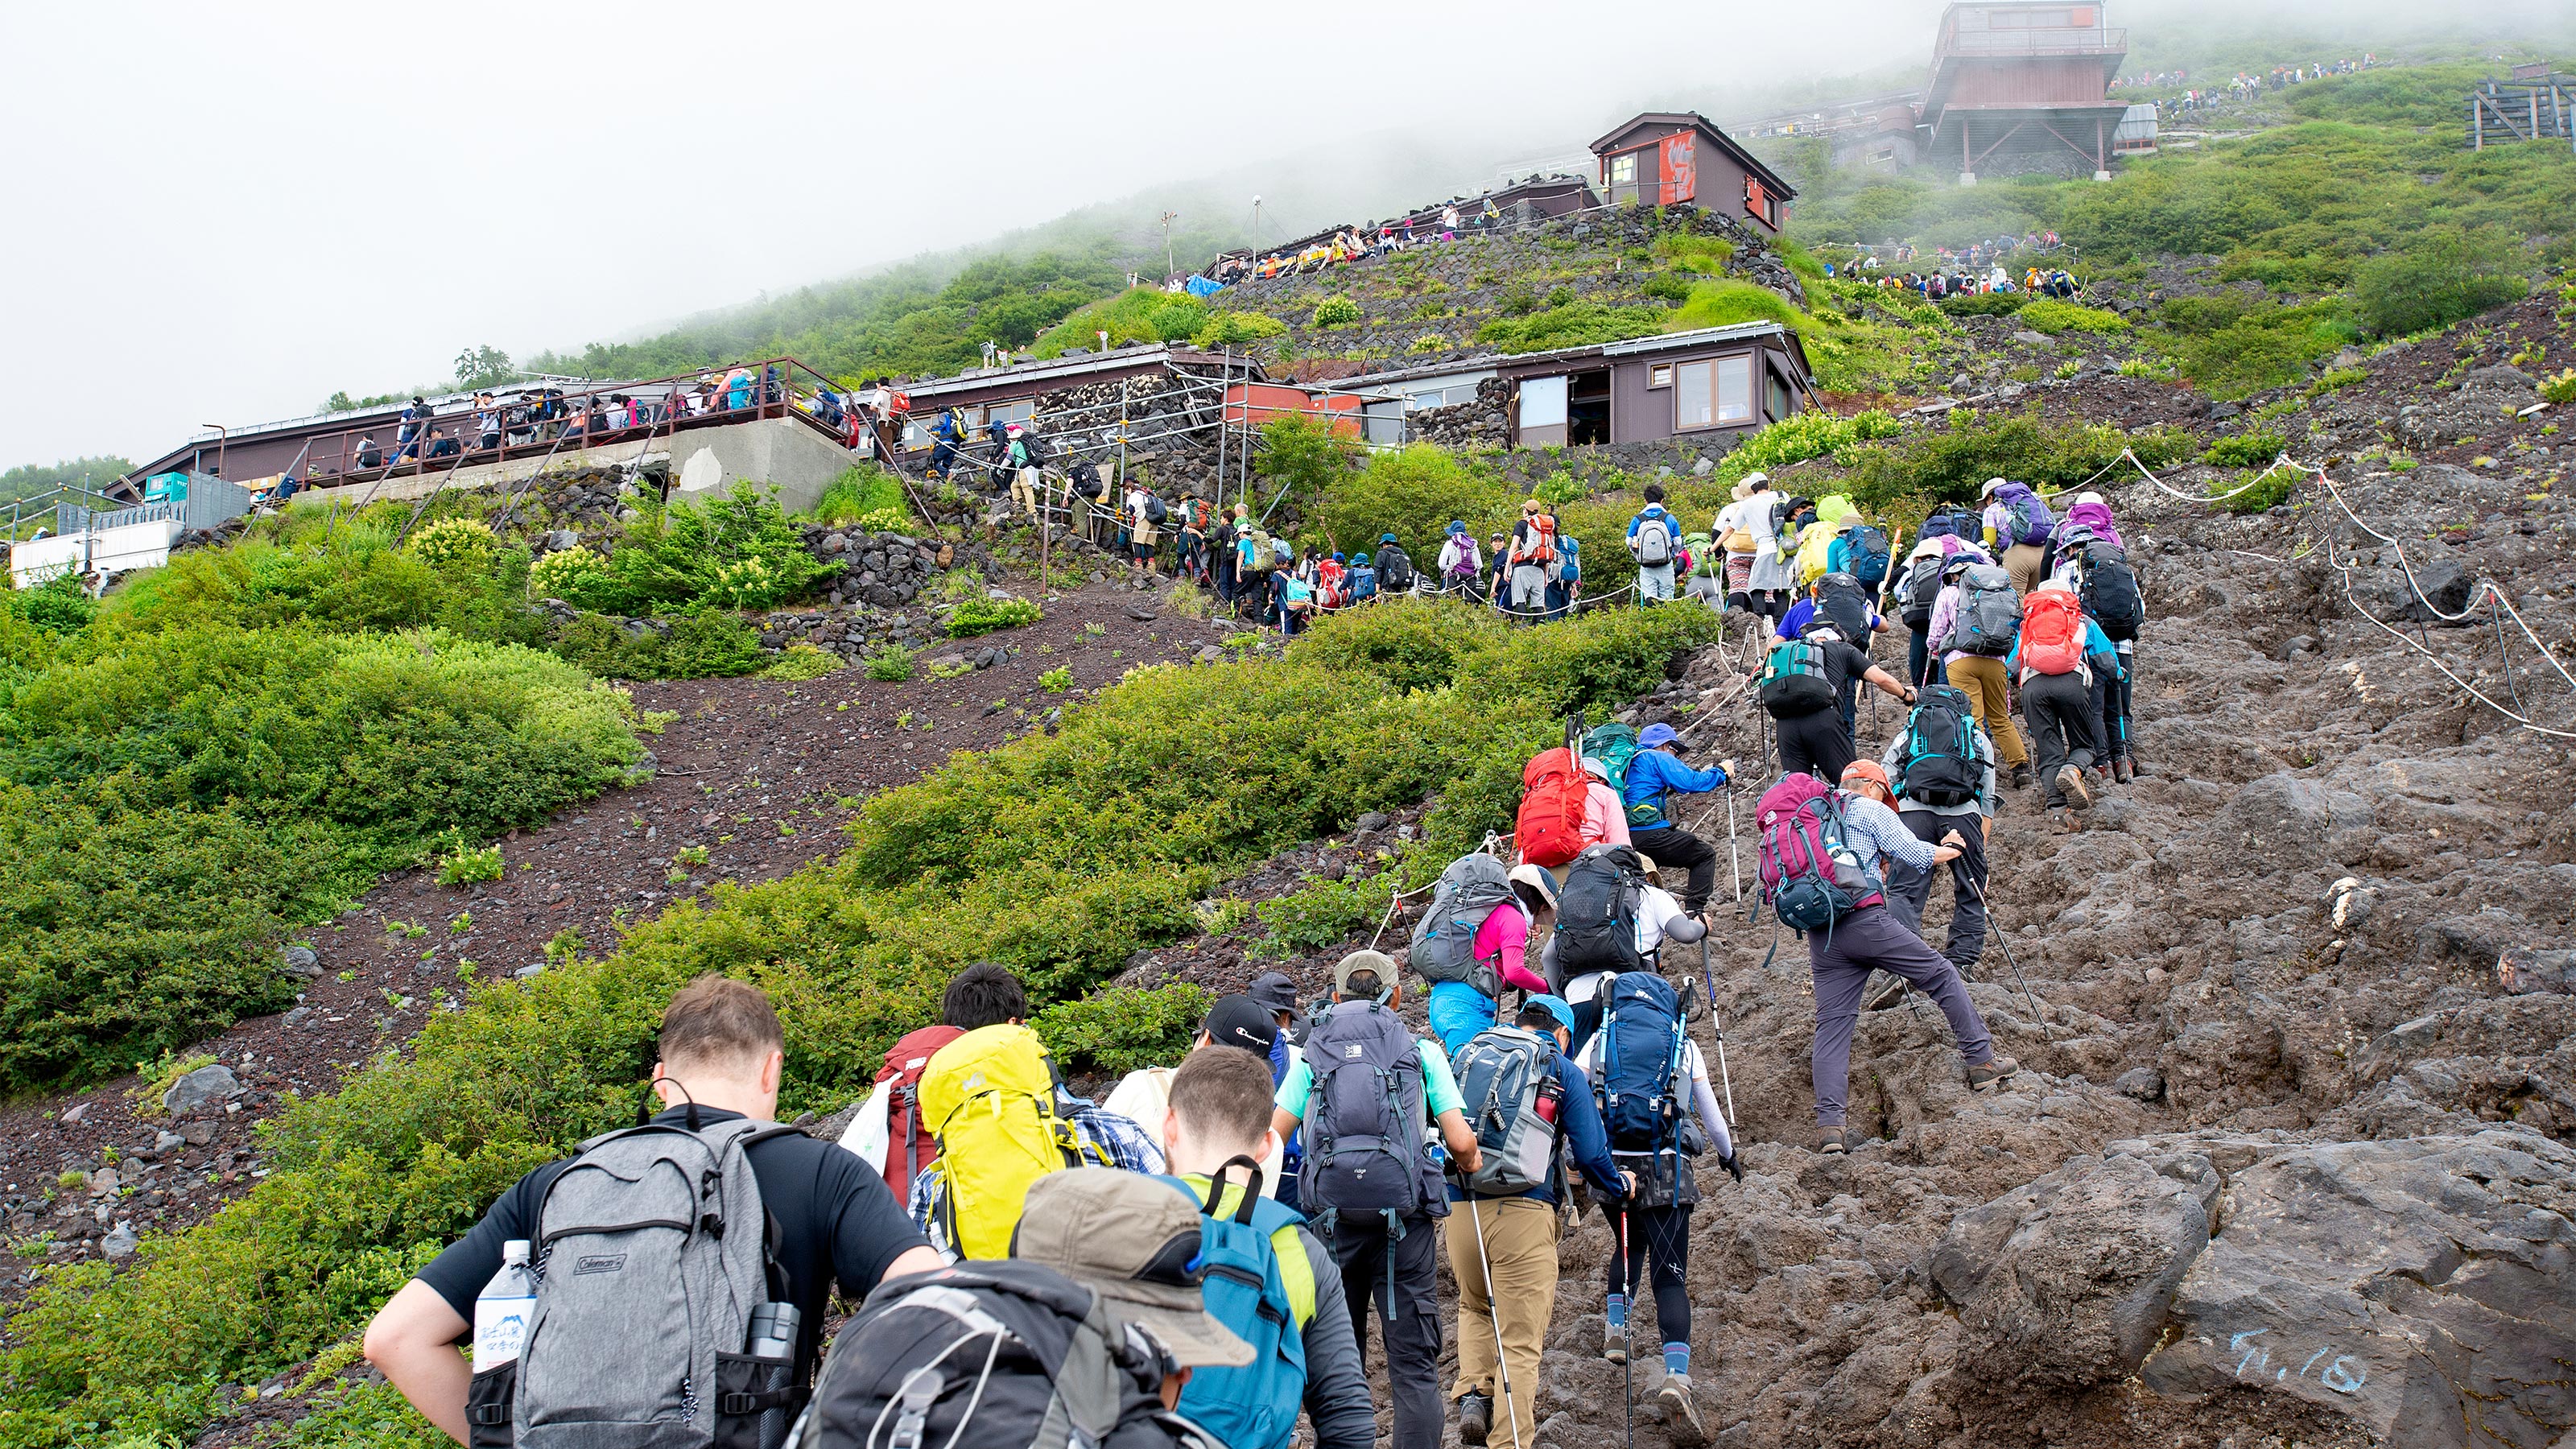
1810, 877
1940, 765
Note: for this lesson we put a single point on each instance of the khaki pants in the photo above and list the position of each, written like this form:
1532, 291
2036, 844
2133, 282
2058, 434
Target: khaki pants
1520, 1249
2022, 562
1024, 490
1982, 681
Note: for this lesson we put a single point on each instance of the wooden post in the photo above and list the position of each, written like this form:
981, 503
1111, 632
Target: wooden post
2477, 122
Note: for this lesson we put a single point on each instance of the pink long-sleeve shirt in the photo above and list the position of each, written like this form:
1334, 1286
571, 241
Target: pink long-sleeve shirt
1605, 819
1504, 939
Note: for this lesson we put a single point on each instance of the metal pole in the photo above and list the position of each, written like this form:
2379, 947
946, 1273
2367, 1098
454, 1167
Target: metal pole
1995, 925
1717, 1019
1734, 860
1493, 1313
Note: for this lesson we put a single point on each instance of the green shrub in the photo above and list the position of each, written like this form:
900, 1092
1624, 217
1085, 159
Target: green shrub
2244, 450
2049, 315
1428, 342
59, 605
891, 663
454, 545
1668, 288
1572, 324
1983, 304
856, 494
1411, 492
2440, 277
1317, 914
1336, 312
1057, 680
983, 616
1727, 303
1299, 458
2559, 387
559, 575
2268, 492
1233, 329
738, 551
1947, 463
1122, 1029
467, 866
802, 661
708, 645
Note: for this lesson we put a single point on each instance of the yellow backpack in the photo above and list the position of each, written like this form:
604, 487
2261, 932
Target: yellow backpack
989, 1097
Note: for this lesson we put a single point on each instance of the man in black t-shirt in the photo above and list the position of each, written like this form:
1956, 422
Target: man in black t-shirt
1820, 744
721, 1049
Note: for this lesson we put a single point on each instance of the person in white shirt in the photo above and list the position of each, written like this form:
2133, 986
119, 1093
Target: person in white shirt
1660, 918
1144, 1097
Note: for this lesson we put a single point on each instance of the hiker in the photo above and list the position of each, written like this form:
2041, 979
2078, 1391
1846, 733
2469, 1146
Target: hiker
1472, 939
1460, 564
1371, 1185
1296, 602
1859, 549
1707, 573
2095, 564
1144, 516
1276, 993
1567, 805
1610, 917
1498, 580
1363, 579
1024, 473
2054, 662
721, 1057
1533, 558
1753, 536
1655, 772
1394, 565
1939, 776
1143, 1096
1505, 1260
1654, 539
1816, 539
1565, 590
1974, 623
1823, 855
1031, 1120
2016, 524
1218, 1124
1807, 686
1652, 1087
1917, 586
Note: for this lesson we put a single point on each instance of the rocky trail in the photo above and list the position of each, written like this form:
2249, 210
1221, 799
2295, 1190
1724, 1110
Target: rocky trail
756, 773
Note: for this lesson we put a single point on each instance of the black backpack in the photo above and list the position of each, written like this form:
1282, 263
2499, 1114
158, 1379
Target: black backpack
1919, 591
1155, 512
1940, 765
1795, 682
990, 1353
1843, 599
1395, 569
2110, 590
1596, 912
1086, 479
1037, 449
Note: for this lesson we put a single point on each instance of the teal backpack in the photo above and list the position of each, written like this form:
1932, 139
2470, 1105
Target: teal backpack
1614, 745
1256, 1406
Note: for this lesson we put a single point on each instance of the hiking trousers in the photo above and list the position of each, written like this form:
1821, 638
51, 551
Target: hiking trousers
1982, 681
1670, 847
2059, 710
1659, 1236
1373, 1261
1910, 890
1655, 582
1517, 1248
2023, 561
2111, 698
1839, 961
1918, 657
1818, 744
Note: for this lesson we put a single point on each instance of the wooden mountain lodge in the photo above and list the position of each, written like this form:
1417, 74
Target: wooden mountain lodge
2021, 87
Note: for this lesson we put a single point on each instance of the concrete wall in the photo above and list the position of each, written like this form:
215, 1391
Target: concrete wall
780, 451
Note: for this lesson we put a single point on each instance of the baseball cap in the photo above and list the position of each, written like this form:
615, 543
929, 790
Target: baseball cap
1273, 991
1135, 1242
1377, 961
1554, 1006
1240, 1021
1869, 770
1657, 734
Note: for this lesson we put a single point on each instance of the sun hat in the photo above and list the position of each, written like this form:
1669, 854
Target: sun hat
1135, 1242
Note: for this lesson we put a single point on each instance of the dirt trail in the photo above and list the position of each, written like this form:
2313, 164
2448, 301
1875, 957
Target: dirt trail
759, 773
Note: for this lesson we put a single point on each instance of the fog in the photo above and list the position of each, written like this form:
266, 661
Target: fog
224, 216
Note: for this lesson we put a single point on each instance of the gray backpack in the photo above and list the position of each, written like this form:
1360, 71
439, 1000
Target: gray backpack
1364, 1119
653, 1248
1444, 943
1989, 616
1512, 1106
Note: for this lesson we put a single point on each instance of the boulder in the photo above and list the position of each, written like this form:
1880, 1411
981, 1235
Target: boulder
2065, 1282
2524, 969
299, 962
2287, 822
2422, 1290
204, 1088
120, 1242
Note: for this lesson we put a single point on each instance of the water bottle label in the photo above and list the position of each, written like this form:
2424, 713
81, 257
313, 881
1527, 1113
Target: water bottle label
500, 1330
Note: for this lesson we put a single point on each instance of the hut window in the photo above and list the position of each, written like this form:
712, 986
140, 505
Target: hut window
1660, 375
1712, 394
1623, 169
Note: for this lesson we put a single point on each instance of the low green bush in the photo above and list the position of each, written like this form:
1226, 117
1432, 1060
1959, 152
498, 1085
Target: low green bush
983, 616
2244, 450
2267, 492
2559, 387
857, 493
2049, 315
1233, 329
469, 865
1575, 324
891, 663
1337, 312
739, 551
708, 645
802, 661
2442, 276
1122, 1029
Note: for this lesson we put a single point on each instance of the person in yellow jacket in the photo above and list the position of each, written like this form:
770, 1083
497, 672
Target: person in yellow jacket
1817, 538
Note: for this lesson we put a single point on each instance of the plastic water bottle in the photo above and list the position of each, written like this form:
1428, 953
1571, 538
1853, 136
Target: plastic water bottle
503, 1309
773, 1336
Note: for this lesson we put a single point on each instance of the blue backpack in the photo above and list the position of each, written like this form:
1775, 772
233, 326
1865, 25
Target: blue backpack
1867, 558
1363, 584
1253, 1407
1641, 1059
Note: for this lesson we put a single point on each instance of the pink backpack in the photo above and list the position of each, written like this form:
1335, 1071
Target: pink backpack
1809, 876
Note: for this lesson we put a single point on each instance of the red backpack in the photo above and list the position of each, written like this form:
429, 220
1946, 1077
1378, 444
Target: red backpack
1540, 544
909, 1145
1549, 829
2052, 632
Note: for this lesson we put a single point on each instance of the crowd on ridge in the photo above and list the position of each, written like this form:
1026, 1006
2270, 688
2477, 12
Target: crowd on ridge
1197, 1258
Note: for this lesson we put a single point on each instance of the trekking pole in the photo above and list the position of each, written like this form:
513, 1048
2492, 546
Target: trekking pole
1628, 1355
1998, 925
1493, 1312
1717, 1019
1734, 865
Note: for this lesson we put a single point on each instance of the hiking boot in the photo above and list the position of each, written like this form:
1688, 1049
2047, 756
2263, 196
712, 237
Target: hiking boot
1475, 1418
1829, 1141
2123, 771
2021, 776
1676, 1394
1614, 1343
1986, 1074
2076, 782
1885, 996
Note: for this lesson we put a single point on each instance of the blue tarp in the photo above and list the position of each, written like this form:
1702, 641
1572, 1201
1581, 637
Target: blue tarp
1202, 287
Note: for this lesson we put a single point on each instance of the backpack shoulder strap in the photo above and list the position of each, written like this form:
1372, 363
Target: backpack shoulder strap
1088, 1385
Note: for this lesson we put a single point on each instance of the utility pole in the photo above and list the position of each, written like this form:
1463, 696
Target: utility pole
1170, 267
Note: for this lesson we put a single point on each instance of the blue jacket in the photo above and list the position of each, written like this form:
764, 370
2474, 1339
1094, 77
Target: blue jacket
1651, 774
1671, 524
2099, 653
1579, 1134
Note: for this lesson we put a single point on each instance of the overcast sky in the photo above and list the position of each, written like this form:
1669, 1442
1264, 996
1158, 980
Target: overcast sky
226, 212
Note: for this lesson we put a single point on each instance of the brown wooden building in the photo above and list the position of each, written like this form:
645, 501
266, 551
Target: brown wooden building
1681, 158
2023, 85
1720, 383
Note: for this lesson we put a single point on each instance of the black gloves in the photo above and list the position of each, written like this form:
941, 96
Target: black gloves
1734, 1169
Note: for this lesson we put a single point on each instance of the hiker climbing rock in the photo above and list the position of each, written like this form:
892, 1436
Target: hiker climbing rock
1822, 854
2054, 662
1369, 1095
1471, 940
1655, 773
1532, 1110
1974, 623
1610, 917
1803, 686
1940, 773
2016, 525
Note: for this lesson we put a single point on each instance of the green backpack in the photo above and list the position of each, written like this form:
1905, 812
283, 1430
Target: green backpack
1614, 745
